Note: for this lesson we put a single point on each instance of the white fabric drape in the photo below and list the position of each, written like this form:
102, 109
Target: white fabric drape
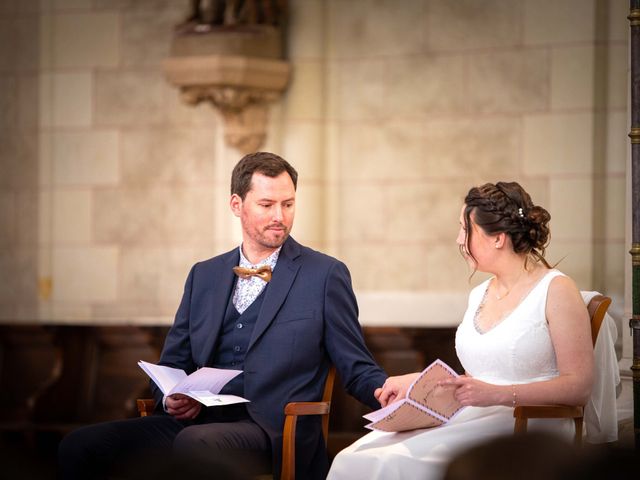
600, 413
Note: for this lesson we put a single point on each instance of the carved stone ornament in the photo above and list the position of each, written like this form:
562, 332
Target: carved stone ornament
238, 68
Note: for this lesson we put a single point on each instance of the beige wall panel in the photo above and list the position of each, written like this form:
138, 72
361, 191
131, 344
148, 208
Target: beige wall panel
8, 218
425, 85
572, 77
146, 35
576, 260
307, 26
71, 4
617, 76
473, 24
179, 113
361, 90
85, 274
45, 97
447, 270
558, 143
539, 190
28, 101
27, 217
303, 147
304, 97
617, 142
45, 45
18, 45
142, 5
86, 157
558, 21
17, 276
85, 40
332, 86
614, 212
472, 148
386, 266
618, 28
71, 96
154, 216
333, 200
382, 152
364, 212
361, 28
154, 274
509, 81
8, 102
129, 98
571, 208
616, 256
71, 313
45, 158
19, 159
45, 217
308, 225
158, 156
424, 211
72, 217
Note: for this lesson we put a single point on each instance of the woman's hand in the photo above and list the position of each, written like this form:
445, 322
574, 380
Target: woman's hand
182, 407
472, 392
394, 388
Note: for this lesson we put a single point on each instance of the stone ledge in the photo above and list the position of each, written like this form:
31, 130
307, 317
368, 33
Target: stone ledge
225, 70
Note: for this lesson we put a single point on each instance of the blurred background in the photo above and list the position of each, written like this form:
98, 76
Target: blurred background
111, 186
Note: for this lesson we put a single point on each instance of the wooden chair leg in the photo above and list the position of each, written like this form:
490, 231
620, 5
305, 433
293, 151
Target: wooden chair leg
578, 435
520, 425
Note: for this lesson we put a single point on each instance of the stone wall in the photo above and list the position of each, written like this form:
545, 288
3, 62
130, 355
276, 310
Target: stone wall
111, 188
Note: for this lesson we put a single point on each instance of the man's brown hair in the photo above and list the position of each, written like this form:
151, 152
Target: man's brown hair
265, 163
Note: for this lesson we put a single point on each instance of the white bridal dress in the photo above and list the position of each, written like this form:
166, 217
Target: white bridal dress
517, 350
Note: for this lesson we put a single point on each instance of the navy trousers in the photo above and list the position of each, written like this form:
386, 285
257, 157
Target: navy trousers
220, 438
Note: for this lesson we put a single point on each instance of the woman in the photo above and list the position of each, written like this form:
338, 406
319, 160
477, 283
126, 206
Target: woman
524, 339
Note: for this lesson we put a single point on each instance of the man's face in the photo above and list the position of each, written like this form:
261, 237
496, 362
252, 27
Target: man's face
266, 213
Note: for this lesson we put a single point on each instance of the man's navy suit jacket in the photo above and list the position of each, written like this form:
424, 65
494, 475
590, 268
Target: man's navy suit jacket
308, 320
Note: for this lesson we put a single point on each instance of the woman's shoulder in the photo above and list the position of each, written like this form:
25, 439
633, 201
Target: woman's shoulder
562, 284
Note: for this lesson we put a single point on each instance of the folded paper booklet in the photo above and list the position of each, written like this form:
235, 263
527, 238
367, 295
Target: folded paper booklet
426, 404
203, 385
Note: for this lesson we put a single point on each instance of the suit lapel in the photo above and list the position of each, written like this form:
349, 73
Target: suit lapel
221, 286
283, 276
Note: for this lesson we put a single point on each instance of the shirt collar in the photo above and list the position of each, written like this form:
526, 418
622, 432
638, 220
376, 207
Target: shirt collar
271, 260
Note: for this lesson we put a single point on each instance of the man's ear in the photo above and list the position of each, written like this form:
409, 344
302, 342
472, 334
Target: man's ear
236, 204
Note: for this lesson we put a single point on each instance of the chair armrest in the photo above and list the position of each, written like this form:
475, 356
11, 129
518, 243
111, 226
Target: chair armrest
307, 408
522, 413
145, 406
292, 411
547, 411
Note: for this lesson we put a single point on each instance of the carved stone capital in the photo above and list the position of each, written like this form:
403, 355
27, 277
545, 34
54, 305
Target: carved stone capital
240, 87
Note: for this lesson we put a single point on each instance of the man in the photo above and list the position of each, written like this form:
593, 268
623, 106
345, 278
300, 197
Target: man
283, 327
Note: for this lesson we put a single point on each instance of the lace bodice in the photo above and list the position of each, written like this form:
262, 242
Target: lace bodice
516, 350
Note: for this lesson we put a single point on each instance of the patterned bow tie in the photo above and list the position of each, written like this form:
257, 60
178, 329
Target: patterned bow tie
263, 272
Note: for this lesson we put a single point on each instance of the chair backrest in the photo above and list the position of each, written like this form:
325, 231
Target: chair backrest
326, 397
597, 308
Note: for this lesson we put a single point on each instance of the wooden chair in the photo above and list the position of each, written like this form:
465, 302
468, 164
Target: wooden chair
522, 413
292, 411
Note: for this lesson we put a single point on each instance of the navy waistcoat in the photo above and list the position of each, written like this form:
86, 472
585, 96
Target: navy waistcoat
234, 341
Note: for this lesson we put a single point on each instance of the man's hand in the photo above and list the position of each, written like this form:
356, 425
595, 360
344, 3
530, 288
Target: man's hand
394, 388
182, 407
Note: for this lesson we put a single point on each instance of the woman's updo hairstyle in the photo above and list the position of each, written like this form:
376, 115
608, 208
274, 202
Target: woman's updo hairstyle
507, 208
